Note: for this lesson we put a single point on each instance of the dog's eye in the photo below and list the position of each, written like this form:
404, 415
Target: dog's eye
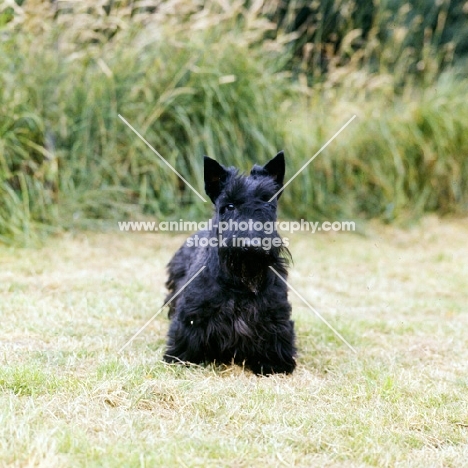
228, 207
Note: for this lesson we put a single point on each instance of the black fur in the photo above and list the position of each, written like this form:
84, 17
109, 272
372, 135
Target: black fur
236, 309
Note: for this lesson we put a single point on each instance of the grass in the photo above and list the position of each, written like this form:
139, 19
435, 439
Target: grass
399, 296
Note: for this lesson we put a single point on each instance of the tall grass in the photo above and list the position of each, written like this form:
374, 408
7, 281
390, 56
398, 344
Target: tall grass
398, 159
414, 38
198, 80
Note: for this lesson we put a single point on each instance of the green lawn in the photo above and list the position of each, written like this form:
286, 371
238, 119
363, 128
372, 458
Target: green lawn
400, 297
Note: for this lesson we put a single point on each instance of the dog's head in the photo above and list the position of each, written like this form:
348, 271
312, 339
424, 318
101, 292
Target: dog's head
245, 218
246, 205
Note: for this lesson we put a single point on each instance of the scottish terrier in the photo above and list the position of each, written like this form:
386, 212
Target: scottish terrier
236, 309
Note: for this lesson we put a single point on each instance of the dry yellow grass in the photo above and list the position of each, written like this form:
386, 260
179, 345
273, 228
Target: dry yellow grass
399, 296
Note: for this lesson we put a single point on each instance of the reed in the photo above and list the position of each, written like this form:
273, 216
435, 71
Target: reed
220, 80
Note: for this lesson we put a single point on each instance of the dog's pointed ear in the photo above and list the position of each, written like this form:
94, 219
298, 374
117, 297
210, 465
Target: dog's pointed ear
276, 168
215, 177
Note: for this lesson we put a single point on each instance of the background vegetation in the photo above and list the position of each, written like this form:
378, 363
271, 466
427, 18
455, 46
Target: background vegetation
236, 81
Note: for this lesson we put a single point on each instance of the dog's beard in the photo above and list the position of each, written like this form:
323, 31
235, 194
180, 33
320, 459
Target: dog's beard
248, 265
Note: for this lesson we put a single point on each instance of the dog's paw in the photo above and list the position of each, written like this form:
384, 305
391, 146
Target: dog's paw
269, 368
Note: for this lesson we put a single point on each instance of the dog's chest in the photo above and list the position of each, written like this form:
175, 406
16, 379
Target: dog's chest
241, 311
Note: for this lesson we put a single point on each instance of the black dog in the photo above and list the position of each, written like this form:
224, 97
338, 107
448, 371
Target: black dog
236, 309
